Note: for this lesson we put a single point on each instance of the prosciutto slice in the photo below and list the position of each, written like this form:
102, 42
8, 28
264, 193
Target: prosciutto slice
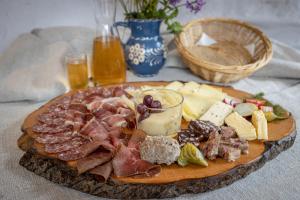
95, 130
93, 160
103, 171
127, 162
80, 152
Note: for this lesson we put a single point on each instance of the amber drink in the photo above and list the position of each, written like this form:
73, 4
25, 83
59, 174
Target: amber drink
77, 70
108, 61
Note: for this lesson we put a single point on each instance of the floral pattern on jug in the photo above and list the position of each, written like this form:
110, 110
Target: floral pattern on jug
145, 51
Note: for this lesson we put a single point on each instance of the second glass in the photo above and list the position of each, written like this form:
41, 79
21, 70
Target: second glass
108, 62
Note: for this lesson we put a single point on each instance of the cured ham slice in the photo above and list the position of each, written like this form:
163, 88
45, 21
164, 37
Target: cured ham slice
92, 161
101, 113
118, 91
127, 162
95, 130
136, 139
103, 171
65, 146
115, 120
80, 152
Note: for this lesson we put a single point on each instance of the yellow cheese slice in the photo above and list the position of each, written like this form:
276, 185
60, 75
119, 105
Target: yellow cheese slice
261, 125
243, 128
175, 85
195, 106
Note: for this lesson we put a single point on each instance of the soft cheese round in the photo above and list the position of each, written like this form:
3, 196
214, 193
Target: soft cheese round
160, 150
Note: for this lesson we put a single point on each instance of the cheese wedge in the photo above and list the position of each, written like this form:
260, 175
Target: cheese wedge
175, 85
261, 125
243, 128
217, 113
212, 92
191, 86
194, 106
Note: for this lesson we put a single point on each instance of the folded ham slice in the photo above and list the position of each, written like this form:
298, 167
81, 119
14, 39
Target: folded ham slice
127, 162
95, 159
103, 171
80, 152
94, 130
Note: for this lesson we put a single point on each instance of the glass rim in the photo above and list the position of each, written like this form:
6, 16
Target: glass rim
75, 56
166, 108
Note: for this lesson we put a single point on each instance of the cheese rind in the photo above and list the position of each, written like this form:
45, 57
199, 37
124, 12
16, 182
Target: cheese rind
217, 113
243, 128
261, 125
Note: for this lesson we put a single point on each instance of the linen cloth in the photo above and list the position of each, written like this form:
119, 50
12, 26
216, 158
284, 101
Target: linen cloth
280, 81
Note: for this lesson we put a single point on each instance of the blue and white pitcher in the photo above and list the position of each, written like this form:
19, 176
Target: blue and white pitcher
145, 51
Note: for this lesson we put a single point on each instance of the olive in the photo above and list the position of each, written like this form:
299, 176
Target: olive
141, 108
148, 100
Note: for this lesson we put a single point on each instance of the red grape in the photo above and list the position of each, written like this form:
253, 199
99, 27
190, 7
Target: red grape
148, 100
156, 104
141, 108
144, 116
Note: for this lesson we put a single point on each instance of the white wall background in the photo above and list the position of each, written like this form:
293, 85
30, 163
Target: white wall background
278, 18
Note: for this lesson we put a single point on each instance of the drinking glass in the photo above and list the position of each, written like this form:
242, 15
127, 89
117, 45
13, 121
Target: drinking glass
76, 64
164, 121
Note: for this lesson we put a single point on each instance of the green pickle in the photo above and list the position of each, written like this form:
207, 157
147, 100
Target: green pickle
191, 154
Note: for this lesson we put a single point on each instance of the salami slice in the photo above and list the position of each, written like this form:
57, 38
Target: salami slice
54, 138
44, 128
65, 146
78, 107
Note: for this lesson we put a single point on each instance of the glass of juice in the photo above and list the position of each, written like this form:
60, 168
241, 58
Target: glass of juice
77, 70
108, 61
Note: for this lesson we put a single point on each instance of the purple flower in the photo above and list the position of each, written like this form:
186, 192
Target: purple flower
194, 5
174, 2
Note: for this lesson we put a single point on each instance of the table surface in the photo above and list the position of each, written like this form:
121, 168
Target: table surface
278, 179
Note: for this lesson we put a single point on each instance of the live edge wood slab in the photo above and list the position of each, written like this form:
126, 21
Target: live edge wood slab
173, 180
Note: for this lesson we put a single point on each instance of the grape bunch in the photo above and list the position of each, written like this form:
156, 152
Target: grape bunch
148, 106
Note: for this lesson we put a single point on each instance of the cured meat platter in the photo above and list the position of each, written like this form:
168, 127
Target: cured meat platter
71, 163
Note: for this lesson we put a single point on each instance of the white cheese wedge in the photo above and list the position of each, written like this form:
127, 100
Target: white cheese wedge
176, 85
217, 113
261, 125
243, 128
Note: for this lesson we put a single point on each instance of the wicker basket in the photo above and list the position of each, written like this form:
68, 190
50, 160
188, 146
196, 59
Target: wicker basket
223, 50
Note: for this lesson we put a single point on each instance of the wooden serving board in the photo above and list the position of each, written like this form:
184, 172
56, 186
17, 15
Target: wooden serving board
173, 180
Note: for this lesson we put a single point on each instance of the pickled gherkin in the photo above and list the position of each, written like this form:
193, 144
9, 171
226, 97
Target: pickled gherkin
191, 154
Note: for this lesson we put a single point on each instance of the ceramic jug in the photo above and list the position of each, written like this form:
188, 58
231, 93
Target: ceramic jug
145, 51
